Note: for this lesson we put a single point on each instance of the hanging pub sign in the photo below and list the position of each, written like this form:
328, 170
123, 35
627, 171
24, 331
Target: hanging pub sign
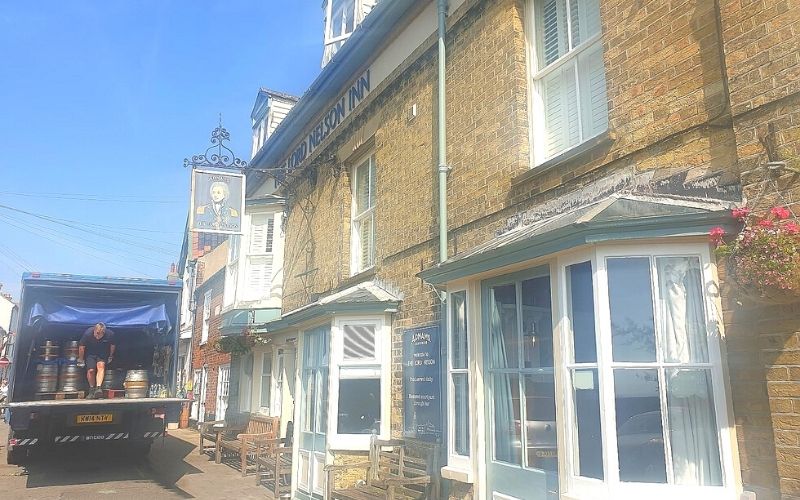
217, 202
422, 384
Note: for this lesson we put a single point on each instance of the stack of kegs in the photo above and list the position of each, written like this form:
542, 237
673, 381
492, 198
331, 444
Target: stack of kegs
71, 378
46, 377
71, 349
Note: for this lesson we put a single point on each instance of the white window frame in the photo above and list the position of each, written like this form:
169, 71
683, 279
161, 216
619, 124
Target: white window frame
278, 372
537, 75
206, 317
329, 38
260, 253
611, 487
352, 368
356, 218
455, 460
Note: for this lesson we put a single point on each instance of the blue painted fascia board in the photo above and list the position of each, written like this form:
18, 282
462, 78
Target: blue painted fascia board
352, 57
580, 234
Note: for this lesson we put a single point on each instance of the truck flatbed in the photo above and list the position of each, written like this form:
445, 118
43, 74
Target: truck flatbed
93, 402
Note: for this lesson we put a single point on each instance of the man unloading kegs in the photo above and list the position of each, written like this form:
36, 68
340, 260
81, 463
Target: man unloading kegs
95, 351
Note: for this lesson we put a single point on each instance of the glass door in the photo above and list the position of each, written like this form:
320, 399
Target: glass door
313, 414
521, 456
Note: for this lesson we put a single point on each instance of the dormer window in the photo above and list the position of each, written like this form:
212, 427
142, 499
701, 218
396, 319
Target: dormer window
341, 19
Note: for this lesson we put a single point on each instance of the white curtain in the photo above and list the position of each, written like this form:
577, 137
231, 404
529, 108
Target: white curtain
503, 409
690, 405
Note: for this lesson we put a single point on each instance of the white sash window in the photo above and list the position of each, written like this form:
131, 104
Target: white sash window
363, 227
568, 75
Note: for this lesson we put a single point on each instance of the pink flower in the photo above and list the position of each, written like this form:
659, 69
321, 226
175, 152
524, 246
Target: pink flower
765, 223
780, 213
716, 234
741, 213
791, 228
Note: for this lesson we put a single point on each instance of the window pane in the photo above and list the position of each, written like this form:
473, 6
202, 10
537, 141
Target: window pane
507, 435
363, 184
640, 439
359, 406
540, 422
551, 30
365, 228
584, 20
580, 292
594, 103
682, 318
461, 414
459, 351
359, 342
631, 303
322, 392
309, 406
693, 428
537, 323
342, 17
503, 327
586, 397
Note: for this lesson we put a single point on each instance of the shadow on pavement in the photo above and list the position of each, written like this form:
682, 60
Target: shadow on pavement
92, 463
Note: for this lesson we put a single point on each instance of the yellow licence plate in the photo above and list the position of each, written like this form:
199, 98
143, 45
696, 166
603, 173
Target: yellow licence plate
100, 418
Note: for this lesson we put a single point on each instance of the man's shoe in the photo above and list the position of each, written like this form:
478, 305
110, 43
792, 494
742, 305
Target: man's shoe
99, 394
91, 394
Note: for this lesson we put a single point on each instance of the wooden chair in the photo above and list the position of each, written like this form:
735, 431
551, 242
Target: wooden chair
391, 473
274, 464
210, 431
257, 432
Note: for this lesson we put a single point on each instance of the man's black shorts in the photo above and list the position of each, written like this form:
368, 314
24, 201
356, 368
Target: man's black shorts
92, 360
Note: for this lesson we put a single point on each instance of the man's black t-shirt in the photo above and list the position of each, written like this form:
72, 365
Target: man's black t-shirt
98, 347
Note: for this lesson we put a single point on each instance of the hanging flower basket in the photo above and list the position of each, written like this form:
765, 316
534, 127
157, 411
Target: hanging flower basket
763, 259
233, 345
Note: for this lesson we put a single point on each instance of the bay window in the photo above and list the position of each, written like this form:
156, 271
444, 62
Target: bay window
644, 388
568, 75
361, 383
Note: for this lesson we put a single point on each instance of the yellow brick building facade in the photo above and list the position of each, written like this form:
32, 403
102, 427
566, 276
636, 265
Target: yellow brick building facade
690, 87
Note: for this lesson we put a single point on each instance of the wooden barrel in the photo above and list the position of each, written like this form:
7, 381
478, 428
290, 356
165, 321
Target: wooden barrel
71, 351
46, 377
137, 384
113, 379
72, 379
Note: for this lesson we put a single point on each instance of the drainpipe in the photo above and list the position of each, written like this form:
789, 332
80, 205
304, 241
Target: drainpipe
442, 116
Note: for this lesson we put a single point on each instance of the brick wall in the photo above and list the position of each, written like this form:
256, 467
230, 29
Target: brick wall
205, 354
670, 114
762, 50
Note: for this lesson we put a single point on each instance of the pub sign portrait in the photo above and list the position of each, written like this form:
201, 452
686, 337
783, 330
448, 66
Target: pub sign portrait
217, 202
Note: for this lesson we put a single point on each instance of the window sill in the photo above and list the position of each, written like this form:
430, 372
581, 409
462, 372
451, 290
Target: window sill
457, 474
571, 154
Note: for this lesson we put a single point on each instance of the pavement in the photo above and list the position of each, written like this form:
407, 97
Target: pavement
173, 469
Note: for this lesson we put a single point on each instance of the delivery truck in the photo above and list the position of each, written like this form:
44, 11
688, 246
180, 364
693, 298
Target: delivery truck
49, 403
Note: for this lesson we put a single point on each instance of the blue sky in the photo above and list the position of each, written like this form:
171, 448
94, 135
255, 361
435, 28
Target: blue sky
101, 102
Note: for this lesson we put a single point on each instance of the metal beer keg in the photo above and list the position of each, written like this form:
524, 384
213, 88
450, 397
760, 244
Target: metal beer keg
136, 384
46, 377
49, 351
71, 351
72, 378
113, 379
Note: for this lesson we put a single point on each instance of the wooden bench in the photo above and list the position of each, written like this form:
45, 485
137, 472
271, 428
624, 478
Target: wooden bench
245, 441
274, 464
210, 431
391, 473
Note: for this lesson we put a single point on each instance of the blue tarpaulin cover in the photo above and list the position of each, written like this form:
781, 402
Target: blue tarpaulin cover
151, 314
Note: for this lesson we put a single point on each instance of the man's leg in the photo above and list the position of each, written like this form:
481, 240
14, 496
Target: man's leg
91, 374
101, 373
